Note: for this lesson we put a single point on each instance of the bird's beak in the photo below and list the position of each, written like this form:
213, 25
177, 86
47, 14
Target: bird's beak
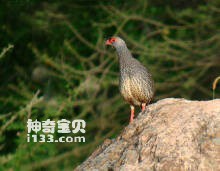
108, 42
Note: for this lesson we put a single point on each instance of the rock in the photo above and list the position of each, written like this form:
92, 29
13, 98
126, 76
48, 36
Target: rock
172, 134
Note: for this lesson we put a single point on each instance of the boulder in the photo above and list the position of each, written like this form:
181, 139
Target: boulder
171, 134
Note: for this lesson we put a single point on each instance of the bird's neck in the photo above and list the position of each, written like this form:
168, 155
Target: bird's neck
124, 54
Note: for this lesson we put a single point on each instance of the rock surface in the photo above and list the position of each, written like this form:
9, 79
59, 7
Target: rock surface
172, 134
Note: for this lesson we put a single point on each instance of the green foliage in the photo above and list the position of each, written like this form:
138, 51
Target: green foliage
54, 65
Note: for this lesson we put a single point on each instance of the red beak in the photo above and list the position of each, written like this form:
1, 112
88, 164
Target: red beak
108, 42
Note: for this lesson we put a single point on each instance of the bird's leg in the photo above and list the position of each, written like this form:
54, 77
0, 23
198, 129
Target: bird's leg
132, 114
143, 106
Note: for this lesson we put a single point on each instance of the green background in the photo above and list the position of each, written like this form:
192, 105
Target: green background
54, 65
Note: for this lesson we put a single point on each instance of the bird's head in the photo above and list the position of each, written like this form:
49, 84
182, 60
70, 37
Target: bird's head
115, 41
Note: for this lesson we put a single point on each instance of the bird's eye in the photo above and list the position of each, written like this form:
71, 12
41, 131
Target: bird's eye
112, 40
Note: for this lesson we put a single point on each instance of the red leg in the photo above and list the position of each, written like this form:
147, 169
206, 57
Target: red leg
143, 106
132, 114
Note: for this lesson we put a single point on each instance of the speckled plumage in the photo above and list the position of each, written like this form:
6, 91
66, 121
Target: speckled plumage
135, 82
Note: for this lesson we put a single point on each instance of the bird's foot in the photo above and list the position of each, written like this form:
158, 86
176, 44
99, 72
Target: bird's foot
143, 106
132, 114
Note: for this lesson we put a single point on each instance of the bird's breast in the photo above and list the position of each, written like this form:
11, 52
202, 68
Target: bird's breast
135, 90
126, 90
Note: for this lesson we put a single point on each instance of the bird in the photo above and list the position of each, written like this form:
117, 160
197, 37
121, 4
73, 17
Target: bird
136, 84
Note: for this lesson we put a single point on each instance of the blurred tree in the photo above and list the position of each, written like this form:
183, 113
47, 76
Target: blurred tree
58, 49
